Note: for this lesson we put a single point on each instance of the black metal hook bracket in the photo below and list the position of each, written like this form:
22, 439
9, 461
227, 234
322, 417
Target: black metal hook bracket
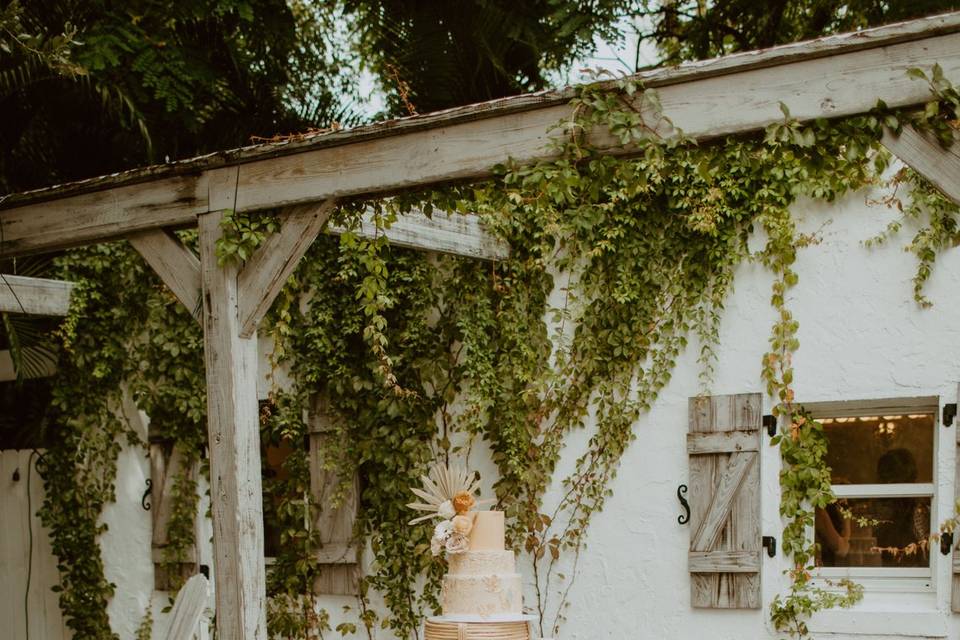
770, 544
681, 491
146, 495
946, 543
949, 413
770, 424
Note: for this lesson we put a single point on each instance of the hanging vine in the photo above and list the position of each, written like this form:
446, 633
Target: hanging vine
420, 355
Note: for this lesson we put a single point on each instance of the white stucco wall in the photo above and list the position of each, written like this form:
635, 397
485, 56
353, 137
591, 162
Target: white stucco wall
862, 337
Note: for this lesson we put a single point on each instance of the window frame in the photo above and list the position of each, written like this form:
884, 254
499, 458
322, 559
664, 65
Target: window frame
889, 579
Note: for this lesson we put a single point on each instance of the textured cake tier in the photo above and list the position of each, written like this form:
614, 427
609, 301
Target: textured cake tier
474, 563
483, 595
433, 630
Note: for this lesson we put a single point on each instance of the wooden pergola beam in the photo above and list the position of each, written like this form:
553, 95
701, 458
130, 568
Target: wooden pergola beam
177, 266
830, 77
459, 235
34, 296
265, 273
921, 152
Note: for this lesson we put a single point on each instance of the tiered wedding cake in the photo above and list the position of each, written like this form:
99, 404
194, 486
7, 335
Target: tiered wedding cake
481, 595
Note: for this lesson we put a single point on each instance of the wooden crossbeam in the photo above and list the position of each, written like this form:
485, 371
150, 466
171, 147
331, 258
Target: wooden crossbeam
265, 273
454, 234
923, 154
828, 78
176, 265
35, 296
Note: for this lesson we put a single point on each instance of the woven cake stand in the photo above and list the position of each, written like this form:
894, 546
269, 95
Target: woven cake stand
464, 627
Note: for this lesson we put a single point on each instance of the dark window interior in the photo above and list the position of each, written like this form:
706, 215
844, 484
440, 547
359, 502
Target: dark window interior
23, 407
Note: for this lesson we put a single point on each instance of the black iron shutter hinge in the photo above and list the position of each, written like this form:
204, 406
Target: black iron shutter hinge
681, 491
946, 543
770, 544
770, 424
949, 413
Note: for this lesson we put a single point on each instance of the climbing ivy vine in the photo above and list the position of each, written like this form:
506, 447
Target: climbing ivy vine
420, 356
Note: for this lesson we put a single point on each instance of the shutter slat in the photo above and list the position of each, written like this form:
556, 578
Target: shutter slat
725, 543
721, 442
724, 561
337, 553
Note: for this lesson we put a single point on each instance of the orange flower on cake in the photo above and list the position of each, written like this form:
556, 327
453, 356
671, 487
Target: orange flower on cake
463, 502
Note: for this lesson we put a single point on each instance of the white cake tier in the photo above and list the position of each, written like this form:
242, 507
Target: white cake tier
475, 563
482, 595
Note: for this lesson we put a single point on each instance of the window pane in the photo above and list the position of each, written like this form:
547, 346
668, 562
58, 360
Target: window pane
874, 532
880, 449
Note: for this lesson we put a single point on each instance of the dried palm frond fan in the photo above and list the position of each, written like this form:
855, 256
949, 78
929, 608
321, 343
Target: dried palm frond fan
440, 486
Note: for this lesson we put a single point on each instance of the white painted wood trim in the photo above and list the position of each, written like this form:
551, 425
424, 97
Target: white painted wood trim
35, 296
875, 572
911, 490
188, 609
267, 270
175, 264
875, 406
880, 625
744, 97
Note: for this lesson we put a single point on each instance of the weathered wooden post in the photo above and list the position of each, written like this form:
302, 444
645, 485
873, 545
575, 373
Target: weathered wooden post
236, 495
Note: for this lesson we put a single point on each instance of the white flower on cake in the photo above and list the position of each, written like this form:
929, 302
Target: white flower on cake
443, 530
446, 510
457, 543
441, 533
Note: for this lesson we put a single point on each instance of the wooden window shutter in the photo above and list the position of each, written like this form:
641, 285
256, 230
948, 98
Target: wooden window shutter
723, 445
166, 463
338, 556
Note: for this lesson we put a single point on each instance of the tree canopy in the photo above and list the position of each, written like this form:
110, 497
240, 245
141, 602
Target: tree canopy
90, 86
698, 29
434, 55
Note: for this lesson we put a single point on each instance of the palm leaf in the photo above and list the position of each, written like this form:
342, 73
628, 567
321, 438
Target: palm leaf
32, 350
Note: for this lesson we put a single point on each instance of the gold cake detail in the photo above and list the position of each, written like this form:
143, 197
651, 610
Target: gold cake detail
475, 630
